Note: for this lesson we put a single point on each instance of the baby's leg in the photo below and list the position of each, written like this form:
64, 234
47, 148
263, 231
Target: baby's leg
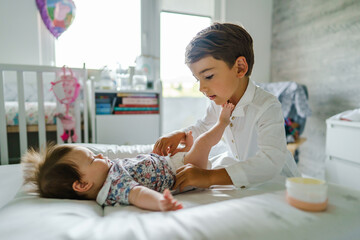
199, 153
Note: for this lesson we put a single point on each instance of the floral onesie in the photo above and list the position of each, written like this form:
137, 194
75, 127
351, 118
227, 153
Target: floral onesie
149, 170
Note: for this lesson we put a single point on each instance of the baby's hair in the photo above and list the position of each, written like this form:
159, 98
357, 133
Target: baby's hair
222, 41
49, 173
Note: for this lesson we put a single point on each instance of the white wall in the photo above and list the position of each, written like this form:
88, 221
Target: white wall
24, 38
256, 17
19, 41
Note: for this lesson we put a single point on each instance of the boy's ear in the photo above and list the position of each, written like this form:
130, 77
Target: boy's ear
81, 186
241, 66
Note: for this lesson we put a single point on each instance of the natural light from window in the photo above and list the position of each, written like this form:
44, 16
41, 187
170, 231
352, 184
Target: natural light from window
177, 30
103, 33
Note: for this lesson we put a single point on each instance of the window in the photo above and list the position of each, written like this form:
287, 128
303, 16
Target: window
177, 30
104, 32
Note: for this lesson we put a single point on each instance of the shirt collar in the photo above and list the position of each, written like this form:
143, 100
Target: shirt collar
244, 100
103, 193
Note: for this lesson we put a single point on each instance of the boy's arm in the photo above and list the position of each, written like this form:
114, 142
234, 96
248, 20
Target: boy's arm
149, 199
190, 175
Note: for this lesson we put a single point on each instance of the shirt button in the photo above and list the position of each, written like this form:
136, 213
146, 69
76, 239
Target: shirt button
232, 141
232, 118
231, 124
242, 187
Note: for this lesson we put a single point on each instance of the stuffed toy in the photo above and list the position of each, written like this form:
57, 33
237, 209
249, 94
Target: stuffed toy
66, 90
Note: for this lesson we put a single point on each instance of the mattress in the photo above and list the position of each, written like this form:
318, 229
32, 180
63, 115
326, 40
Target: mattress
222, 212
31, 113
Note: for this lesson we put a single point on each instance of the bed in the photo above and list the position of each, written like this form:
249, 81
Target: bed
28, 106
260, 212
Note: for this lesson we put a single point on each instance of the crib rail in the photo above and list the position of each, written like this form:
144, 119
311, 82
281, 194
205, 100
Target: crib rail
39, 70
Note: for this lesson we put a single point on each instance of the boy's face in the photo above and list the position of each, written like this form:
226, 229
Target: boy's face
217, 81
94, 168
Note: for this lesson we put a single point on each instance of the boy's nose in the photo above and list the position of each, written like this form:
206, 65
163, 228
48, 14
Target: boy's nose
201, 86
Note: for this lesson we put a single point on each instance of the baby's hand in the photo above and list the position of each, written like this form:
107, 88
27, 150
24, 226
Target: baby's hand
169, 203
187, 143
226, 111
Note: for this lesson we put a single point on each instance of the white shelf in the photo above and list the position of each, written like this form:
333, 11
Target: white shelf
126, 129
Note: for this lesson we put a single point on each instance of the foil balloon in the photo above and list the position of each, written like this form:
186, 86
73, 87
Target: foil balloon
56, 14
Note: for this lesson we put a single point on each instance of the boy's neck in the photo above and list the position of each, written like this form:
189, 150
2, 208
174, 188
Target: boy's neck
244, 82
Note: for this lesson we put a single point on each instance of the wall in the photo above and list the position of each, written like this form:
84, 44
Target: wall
256, 17
317, 43
24, 38
19, 42
182, 112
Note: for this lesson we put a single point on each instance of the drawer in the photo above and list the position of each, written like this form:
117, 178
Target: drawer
342, 172
343, 140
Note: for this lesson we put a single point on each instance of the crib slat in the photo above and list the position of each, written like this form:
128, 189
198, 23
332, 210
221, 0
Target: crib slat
92, 112
85, 110
41, 111
22, 115
3, 133
59, 127
78, 119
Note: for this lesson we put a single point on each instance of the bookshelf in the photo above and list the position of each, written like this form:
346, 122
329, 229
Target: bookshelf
126, 117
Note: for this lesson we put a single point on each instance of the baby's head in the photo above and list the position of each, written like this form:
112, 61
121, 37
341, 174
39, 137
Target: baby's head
65, 171
222, 41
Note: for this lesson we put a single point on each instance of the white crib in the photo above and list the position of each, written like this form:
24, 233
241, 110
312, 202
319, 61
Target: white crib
81, 115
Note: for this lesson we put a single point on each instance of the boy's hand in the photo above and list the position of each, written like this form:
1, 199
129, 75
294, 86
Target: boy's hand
190, 175
168, 144
169, 203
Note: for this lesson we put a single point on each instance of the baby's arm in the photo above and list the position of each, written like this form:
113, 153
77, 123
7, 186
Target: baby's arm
199, 153
149, 199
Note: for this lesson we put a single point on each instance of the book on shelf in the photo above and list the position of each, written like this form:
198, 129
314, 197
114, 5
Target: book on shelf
149, 95
102, 100
136, 112
101, 111
127, 103
103, 105
138, 105
137, 101
136, 109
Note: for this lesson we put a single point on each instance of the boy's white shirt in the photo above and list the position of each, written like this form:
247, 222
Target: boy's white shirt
255, 153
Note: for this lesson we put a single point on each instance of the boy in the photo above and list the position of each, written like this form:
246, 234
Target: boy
221, 58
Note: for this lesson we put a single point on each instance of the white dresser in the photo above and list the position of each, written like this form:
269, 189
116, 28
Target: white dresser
343, 152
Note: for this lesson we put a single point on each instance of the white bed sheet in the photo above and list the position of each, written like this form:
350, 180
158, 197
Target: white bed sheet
221, 213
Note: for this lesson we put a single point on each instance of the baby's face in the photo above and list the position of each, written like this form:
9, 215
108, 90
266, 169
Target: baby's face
94, 168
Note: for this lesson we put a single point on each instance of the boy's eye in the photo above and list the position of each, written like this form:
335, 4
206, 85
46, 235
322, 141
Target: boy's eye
209, 77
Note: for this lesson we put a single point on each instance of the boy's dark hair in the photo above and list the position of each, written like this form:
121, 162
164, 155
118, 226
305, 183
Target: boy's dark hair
222, 41
52, 176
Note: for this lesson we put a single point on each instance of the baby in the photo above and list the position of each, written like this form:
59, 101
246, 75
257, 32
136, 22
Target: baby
75, 172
